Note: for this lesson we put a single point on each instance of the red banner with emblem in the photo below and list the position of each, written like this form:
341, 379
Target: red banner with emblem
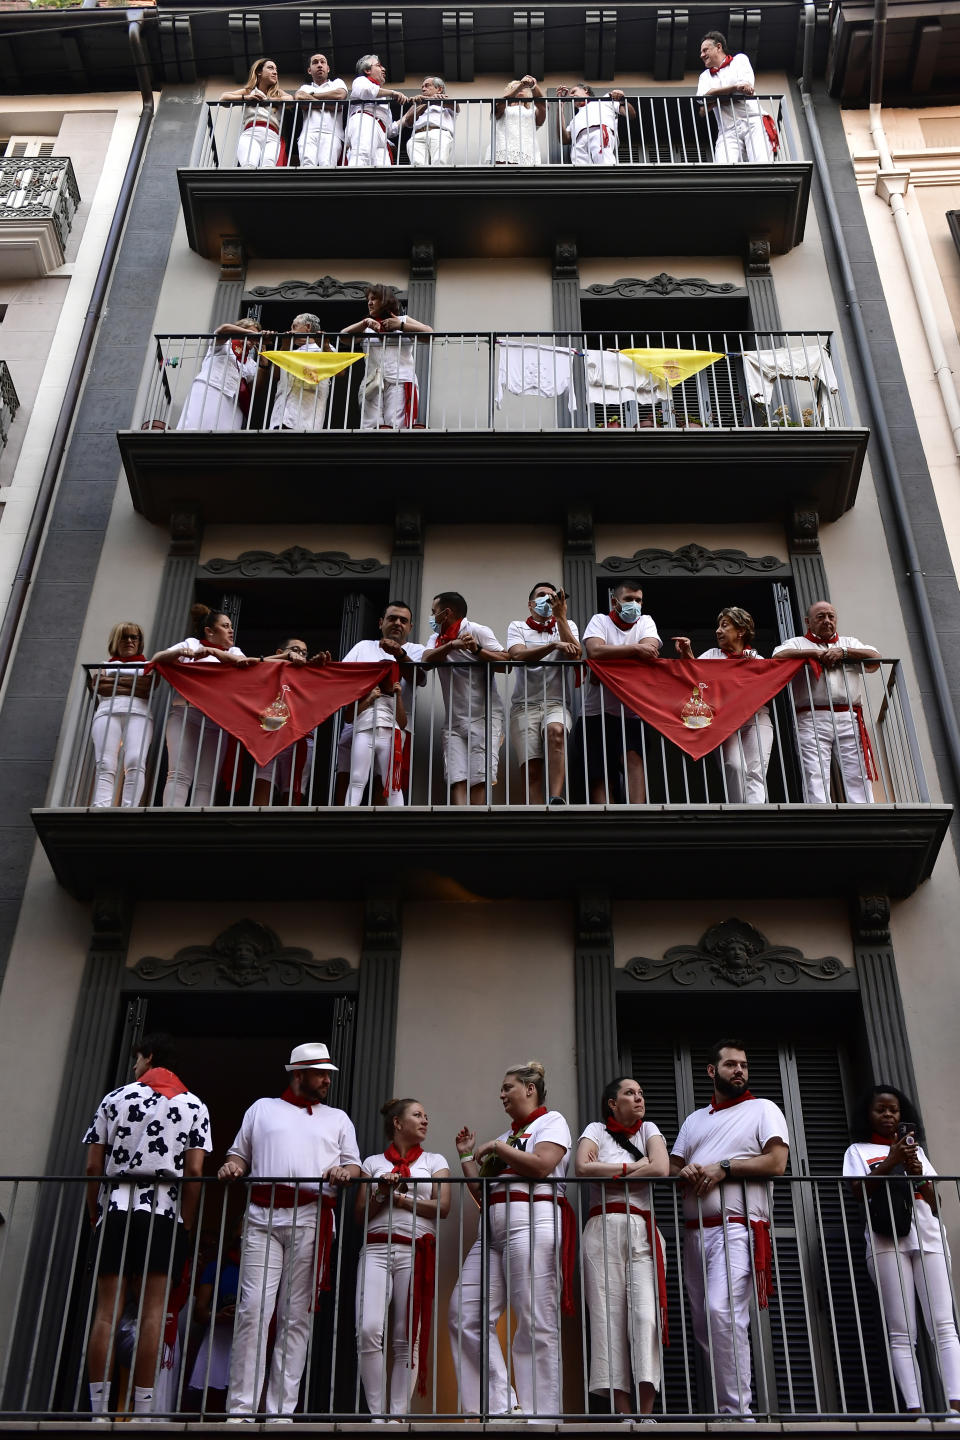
271, 705
696, 703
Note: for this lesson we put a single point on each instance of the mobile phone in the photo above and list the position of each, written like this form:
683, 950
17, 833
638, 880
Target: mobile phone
906, 1130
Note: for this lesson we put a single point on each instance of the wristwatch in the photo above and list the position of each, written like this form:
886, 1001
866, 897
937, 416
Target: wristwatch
725, 1167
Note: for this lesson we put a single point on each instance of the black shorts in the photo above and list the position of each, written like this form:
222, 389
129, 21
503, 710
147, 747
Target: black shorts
166, 1235
607, 738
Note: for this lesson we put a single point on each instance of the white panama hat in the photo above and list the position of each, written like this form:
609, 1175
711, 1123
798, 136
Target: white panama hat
313, 1056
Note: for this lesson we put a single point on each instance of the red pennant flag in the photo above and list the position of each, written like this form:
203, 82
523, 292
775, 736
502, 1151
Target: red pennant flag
270, 706
696, 703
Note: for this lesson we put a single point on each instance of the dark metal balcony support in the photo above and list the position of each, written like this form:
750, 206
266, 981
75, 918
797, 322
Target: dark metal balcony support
9, 402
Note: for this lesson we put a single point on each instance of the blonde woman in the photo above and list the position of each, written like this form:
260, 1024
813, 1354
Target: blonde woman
261, 145
122, 719
527, 1221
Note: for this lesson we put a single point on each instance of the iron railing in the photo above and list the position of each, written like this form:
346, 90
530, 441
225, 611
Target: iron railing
39, 189
503, 381
859, 747
825, 1344
655, 131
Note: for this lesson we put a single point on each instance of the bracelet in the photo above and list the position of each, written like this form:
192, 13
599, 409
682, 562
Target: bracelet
466, 1157
623, 1170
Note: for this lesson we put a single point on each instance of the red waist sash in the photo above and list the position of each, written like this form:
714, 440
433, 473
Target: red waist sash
420, 1322
619, 1207
869, 763
568, 1238
762, 1250
286, 1197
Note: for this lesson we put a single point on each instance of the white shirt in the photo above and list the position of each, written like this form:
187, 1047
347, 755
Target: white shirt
841, 682
737, 1132
285, 1141
299, 404
926, 1232
594, 113
365, 100
601, 627
715, 653
318, 117
369, 652
610, 1153
464, 678
116, 702
145, 1133
188, 656
438, 115
543, 684
389, 357
729, 108
397, 1218
549, 1127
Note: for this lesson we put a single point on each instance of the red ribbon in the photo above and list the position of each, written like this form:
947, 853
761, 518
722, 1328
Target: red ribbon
773, 135
722, 66
656, 1245
164, 1082
716, 1104
762, 1250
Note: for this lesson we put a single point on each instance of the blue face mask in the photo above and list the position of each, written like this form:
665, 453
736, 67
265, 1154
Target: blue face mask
435, 625
543, 607
630, 611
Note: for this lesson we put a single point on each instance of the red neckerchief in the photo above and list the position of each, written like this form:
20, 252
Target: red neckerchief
301, 1102
620, 624
716, 1104
241, 349
541, 625
722, 66
616, 1128
164, 1082
115, 659
451, 633
518, 1125
876, 1139
401, 1163
834, 640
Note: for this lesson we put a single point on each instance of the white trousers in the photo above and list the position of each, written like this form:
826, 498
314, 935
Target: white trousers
375, 745
111, 732
725, 1302
741, 138
319, 145
383, 1279
367, 142
431, 146
278, 1271
906, 1277
195, 751
746, 756
820, 734
620, 1282
524, 1276
386, 402
588, 148
258, 147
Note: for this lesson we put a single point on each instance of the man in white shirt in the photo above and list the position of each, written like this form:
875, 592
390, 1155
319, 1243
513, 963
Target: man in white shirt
370, 123
541, 705
728, 81
383, 719
829, 707
467, 654
434, 122
593, 132
613, 735
320, 142
288, 1232
724, 1154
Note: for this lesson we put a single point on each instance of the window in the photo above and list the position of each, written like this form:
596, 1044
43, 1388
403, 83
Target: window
20, 147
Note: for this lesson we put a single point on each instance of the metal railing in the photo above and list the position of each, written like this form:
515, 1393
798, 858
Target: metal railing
649, 131
39, 189
9, 401
816, 1339
503, 381
510, 736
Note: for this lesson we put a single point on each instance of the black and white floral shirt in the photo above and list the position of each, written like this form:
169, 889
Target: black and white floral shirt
146, 1134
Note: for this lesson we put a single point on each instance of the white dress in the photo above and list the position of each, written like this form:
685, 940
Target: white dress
515, 135
213, 402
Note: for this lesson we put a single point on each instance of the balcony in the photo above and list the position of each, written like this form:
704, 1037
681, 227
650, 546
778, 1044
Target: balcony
9, 402
663, 188
38, 200
201, 794
767, 421
820, 1360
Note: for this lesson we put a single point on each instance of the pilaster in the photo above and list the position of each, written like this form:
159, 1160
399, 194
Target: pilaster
422, 289
229, 292
597, 1051
579, 563
883, 1016
764, 310
809, 571
376, 1016
179, 576
406, 560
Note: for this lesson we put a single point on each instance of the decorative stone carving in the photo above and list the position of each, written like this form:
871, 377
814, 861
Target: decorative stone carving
232, 259
594, 920
423, 261
382, 922
566, 264
758, 258
804, 533
734, 953
693, 560
326, 288
184, 532
662, 284
295, 560
579, 536
871, 919
246, 953
408, 532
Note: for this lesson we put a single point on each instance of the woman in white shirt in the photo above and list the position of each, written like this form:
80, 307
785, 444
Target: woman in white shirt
517, 1180
907, 1253
623, 1259
746, 754
399, 1215
261, 145
302, 404
220, 395
195, 745
517, 118
122, 719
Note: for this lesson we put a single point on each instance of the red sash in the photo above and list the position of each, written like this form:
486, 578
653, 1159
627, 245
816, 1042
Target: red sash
618, 1207
568, 1238
420, 1316
285, 1197
762, 1249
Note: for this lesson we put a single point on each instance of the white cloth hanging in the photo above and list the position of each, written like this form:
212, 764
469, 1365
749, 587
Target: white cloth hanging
613, 379
766, 370
534, 369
